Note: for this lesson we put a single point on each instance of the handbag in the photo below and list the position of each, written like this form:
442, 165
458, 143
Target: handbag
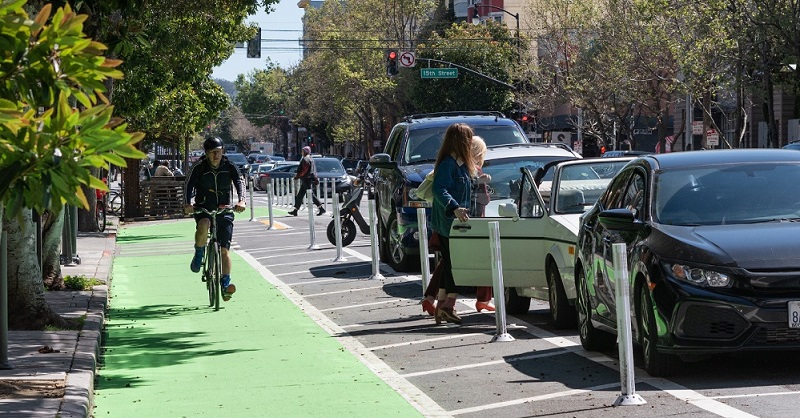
425, 189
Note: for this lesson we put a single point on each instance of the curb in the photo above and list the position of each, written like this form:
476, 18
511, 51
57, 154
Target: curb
79, 391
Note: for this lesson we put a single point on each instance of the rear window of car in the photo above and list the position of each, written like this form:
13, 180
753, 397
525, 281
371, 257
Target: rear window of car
328, 166
423, 144
237, 158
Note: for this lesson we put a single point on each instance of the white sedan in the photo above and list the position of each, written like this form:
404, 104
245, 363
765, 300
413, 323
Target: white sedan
538, 233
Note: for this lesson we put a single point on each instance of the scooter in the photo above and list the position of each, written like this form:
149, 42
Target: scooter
350, 215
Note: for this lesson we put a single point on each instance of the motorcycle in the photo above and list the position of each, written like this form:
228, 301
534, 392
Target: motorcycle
350, 214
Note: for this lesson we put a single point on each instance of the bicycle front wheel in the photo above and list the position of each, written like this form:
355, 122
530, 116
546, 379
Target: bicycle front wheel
100, 214
210, 272
216, 277
115, 203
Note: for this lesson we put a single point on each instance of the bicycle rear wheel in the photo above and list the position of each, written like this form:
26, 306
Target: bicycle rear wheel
115, 203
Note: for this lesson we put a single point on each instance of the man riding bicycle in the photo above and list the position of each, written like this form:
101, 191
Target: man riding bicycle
209, 182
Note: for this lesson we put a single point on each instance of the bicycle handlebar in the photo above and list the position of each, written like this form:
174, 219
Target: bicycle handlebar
215, 212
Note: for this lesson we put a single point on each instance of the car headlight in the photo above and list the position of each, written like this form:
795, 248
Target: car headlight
413, 200
698, 276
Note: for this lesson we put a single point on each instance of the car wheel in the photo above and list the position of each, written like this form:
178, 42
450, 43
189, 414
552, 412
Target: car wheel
516, 304
348, 232
655, 363
398, 259
592, 338
563, 315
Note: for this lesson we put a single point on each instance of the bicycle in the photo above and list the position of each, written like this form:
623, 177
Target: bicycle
114, 202
212, 260
100, 212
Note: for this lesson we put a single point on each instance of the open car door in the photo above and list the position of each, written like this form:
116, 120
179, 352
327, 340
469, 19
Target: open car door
519, 212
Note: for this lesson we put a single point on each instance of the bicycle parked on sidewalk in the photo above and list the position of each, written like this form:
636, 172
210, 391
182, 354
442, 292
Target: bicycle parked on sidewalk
212, 260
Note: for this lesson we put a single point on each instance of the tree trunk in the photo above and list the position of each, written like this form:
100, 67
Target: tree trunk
27, 307
87, 221
52, 229
131, 192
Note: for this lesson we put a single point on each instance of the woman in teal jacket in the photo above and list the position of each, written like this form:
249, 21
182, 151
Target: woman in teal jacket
452, 184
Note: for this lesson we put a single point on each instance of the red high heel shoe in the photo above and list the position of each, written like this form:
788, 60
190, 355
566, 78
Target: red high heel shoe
479, 306
428, 307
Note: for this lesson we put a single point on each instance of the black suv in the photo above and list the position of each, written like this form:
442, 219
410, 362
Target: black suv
408, 156
240, 161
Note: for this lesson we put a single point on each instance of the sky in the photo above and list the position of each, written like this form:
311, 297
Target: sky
280, 32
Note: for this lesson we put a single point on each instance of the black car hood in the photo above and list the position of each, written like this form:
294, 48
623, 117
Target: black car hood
764, 246
414, 174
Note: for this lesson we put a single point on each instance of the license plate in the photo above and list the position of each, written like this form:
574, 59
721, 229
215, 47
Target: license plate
794, 314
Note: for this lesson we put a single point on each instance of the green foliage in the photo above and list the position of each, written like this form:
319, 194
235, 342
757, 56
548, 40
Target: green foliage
80, 282
47, 145
489, 49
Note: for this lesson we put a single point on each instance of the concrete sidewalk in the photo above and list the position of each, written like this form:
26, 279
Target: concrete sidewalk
54, 370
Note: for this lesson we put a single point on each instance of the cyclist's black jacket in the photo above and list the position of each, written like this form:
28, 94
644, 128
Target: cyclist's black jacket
212, 188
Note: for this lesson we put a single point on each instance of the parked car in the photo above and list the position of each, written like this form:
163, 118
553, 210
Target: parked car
408, 156
281, 170
327, 168
256, 172
712, 251
258, 158
538, 225
240, 161
277, 158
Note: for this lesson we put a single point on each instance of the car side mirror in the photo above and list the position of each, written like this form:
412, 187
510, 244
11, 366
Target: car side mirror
620, 220
349, 171
508, 210
382, 161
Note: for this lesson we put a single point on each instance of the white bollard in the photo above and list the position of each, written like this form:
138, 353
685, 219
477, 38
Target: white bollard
252, 209
497, 282
373, 239
625, 344
269, 205
281, 192
424, 261
338, 227
312, 230
325, 194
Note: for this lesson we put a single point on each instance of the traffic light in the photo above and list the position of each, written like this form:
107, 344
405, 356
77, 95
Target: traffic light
391, 62
254, 45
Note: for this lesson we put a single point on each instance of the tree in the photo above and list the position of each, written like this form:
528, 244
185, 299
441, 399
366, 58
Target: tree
48, 145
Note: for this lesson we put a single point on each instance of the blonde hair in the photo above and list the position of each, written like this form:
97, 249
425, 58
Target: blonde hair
478, 149
457, 141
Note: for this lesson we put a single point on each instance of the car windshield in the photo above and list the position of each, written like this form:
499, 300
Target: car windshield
728, 194
328, 166
423, 144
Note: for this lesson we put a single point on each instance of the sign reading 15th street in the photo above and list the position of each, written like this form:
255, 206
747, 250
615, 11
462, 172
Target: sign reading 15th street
438, 72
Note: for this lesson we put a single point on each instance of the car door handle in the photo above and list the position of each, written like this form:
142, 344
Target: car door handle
462, 227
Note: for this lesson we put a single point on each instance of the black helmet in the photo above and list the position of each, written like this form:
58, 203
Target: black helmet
212, 143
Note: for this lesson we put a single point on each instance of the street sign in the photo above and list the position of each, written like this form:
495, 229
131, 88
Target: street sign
712, 137
439, 72
408, 59
697, 127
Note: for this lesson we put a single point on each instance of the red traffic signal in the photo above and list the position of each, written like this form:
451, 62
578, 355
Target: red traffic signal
391, 62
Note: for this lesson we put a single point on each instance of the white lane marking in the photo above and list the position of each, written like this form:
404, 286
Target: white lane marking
532, 399
417, 398
294, 263
754, 395
342, 291
361, 305
487, 363
289, 273
323, 281
275, 249
429, 340
353, 290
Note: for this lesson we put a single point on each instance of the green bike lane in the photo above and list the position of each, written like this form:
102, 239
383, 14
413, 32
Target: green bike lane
166, 353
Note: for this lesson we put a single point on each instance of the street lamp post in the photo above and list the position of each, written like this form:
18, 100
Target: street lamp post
476, 19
